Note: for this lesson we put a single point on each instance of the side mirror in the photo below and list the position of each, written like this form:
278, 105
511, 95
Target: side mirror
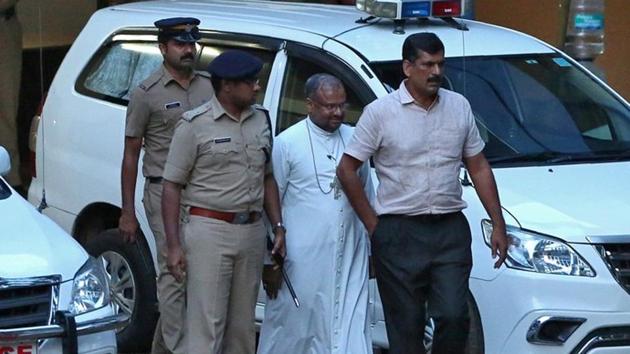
5, 161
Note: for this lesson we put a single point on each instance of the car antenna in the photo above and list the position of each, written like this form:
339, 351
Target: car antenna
365, 20
42, 205
453, 23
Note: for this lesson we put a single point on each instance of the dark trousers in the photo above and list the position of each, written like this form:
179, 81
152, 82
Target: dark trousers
423, 261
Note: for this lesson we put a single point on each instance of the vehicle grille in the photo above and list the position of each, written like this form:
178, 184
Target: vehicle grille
25, 306
617, 257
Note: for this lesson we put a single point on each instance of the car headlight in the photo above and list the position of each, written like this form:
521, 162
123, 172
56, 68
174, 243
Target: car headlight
90, 289
538, 253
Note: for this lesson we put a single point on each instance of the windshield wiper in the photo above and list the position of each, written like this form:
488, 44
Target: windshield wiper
550, 157
615, 155
535, 157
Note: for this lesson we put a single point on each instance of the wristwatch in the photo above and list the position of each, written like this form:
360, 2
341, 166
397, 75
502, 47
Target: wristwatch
278, 225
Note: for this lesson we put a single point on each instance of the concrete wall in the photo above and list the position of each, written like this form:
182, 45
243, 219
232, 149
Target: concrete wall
60, 21
545, 19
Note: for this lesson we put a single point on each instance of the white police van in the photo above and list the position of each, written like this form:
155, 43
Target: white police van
557, 137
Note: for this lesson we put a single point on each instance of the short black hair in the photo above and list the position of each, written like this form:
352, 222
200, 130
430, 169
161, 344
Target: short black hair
162, 38
319, 80
421, 42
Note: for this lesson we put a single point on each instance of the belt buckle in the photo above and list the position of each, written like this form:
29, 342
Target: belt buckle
241, 217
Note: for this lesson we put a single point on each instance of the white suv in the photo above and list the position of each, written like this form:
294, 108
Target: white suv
557, 138
54, 297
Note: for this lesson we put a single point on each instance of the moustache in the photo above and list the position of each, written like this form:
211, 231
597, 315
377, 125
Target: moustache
436, 79
187, 56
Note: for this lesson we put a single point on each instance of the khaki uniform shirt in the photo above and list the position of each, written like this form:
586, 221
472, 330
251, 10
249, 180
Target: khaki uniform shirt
155, 107
221, 160
417, 152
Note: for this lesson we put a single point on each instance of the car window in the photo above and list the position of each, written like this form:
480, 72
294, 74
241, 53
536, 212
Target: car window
292, 107
120, 66
5, 191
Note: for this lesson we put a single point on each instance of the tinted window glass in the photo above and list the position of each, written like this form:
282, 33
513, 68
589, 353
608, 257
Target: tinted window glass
5, 192
292, 106
120, 66
535, 107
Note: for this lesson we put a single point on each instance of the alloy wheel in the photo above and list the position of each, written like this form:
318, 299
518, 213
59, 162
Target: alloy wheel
122, 283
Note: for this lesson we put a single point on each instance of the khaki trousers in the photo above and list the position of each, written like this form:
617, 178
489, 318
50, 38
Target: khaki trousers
169, 334
224, 266
10, 74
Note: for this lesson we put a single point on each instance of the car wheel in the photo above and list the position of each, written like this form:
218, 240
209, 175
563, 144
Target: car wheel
132, 286
474, 344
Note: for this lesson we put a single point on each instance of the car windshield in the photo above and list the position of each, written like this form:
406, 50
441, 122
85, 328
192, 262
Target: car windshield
534, 108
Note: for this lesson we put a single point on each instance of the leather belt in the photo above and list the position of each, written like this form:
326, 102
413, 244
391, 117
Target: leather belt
245, 217
8, 13
154, 179
425, 218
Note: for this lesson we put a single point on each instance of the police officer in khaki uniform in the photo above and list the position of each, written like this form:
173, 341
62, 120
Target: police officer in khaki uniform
10, 74
221, 153
154, 108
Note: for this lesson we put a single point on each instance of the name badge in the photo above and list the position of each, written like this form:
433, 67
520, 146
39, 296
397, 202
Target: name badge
172, 105
222, 140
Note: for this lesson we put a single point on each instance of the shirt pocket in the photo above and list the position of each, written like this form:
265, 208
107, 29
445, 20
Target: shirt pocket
169, 117
220, 158
258, 152
451, 143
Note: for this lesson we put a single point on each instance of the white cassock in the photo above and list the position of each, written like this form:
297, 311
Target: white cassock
327, 250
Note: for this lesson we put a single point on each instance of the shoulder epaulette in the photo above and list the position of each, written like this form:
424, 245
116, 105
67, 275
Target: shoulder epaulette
266, 112
195, 112
150, 81
203, 73
260, 107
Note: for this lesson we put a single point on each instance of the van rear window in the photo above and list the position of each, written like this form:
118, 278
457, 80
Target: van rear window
117, 69
120, 66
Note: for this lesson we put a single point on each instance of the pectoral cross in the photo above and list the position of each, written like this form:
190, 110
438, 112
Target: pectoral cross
334, 185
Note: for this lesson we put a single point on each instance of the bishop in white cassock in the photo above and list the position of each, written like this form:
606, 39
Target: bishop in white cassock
327, 245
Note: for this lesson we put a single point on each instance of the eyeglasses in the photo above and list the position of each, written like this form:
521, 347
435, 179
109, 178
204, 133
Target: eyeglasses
332, 107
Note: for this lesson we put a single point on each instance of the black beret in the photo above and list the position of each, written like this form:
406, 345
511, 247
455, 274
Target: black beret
181, 29
234, 65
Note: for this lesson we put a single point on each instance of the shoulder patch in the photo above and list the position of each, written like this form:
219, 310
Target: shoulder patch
195, 112
153, 79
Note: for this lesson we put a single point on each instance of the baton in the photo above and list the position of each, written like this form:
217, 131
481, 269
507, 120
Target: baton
288, 282
280, 261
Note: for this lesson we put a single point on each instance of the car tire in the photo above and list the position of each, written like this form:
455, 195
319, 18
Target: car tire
474, 343
133, 288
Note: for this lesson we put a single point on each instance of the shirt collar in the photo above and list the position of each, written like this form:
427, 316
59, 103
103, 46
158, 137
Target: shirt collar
406, 98
317, 130
167, 77
218, 111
